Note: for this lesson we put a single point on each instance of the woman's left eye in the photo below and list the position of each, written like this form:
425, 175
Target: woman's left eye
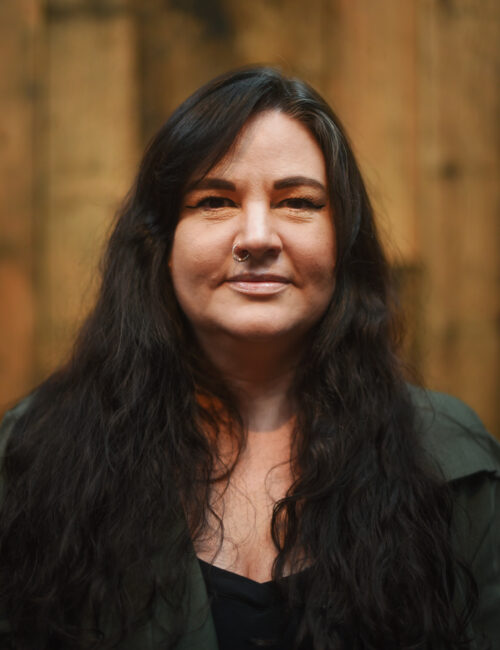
301, 203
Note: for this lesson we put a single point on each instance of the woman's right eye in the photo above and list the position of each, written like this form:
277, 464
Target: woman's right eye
213, 202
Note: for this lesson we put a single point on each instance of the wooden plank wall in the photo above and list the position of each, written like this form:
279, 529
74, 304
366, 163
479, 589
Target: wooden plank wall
84, 84
20, 25
459, 199
91, 133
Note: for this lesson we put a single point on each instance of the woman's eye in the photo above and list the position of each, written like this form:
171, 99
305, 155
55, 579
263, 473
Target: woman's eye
301, 204
213, 202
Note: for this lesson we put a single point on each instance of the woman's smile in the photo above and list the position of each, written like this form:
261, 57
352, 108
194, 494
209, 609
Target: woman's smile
258, 284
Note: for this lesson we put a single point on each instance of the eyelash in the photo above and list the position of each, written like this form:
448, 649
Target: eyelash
212, 203
295, 203
301, 203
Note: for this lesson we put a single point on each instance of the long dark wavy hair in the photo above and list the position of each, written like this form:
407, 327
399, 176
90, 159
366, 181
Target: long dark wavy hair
111, 467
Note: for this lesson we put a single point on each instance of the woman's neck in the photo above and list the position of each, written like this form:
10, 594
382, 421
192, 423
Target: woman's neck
265, 408
260, 376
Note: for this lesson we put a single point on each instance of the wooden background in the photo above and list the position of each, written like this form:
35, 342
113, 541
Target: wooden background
84, 84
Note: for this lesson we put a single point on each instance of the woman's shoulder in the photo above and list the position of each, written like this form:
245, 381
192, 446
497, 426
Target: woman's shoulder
469, 457
453, 435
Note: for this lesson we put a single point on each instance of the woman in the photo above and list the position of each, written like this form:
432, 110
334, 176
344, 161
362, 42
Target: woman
231, 457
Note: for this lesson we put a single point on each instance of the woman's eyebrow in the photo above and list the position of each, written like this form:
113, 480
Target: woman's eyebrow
211, 183
295, 181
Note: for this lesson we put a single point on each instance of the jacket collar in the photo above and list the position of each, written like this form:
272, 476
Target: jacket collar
454, 436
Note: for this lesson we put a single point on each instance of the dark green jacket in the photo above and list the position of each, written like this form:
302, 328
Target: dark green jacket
468, 457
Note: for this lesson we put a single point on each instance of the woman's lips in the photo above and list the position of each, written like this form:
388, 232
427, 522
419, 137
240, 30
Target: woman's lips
258, 284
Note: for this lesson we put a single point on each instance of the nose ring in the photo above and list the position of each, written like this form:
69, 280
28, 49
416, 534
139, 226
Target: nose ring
240, 257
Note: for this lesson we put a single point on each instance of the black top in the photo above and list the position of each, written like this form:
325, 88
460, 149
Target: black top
249, 614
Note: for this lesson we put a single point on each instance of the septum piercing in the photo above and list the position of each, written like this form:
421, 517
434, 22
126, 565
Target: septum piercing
237, 257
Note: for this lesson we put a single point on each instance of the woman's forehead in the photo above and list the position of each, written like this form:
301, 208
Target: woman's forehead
275, 143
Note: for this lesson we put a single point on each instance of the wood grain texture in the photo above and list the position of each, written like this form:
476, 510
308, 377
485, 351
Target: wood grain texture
459, 198
20, 24
91, 153
371, 79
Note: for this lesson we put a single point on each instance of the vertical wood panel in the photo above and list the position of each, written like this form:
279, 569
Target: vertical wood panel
370, 61
181, 47
20, 27
285, 33
459, 198
91, 146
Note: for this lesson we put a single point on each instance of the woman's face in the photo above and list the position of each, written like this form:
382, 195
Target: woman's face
268, 197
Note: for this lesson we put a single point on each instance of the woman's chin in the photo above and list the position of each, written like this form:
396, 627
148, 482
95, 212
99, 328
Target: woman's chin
272, 333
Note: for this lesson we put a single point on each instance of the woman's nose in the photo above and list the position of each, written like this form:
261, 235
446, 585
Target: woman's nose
258, 234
